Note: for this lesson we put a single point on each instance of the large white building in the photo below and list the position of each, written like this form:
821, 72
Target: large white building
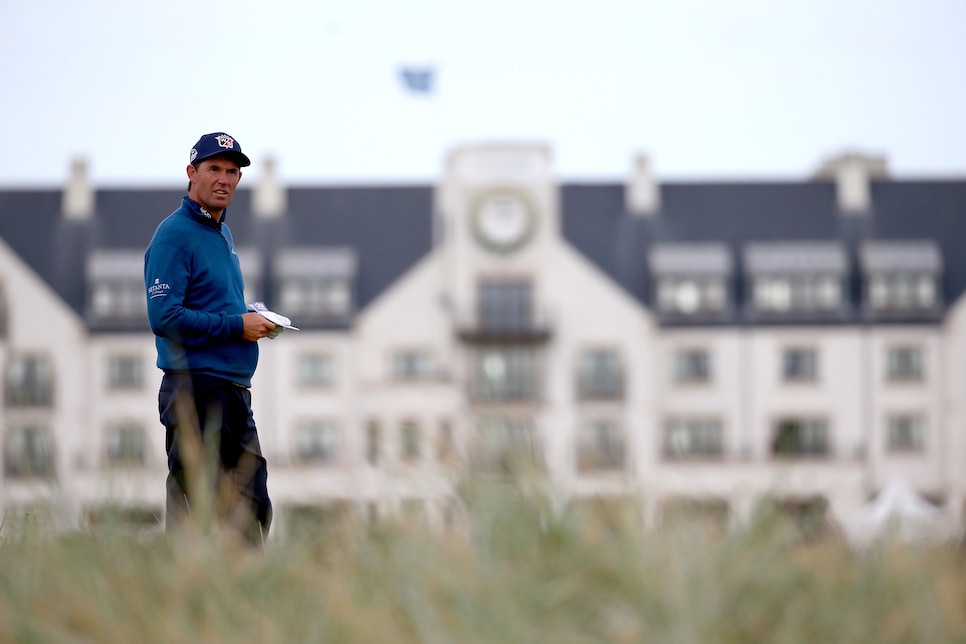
684, 345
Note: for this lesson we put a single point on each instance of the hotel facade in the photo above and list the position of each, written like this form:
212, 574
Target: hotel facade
685, 346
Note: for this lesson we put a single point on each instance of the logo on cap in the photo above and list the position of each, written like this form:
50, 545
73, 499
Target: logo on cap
225, 141
194, 153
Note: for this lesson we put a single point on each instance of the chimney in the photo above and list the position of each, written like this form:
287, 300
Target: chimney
853, 173
642, 195
269, 199
78, 199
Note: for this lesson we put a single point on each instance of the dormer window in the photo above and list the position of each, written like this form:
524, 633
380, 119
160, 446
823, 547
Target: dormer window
316, 283
250, 260
806, 278
901, 277
782, 293
691, 279
115, 281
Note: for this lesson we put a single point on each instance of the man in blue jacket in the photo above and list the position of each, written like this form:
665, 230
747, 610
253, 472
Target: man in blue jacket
207, 347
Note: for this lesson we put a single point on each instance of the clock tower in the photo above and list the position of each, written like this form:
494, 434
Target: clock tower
496, 233
496, 217
503, 219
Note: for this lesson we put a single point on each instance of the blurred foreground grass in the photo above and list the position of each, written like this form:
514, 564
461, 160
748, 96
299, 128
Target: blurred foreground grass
516, 572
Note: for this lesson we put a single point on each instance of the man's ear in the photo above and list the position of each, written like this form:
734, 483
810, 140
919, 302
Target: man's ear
191, 170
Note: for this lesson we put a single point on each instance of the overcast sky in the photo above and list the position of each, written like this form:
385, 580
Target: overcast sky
710, 89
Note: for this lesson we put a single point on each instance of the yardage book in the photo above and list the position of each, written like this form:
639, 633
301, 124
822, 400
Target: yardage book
276, 318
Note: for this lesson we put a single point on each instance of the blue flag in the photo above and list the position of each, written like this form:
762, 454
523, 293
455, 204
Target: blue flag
417, 79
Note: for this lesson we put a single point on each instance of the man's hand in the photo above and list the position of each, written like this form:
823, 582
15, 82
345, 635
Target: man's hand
256, 327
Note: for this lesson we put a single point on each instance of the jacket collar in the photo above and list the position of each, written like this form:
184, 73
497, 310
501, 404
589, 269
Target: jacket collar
202, 215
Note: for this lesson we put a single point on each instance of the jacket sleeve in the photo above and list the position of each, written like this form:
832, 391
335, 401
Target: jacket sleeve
167, 272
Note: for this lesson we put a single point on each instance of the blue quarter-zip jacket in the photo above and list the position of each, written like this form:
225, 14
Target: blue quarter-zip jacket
196, 297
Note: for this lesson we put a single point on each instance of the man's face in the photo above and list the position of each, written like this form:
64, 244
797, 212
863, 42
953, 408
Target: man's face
213, 183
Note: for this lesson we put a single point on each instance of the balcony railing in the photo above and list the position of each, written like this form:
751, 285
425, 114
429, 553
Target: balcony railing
510, 326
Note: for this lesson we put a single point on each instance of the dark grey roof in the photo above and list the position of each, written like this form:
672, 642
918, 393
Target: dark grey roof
321, 260
795, 257
387, 229
901, 255
702, 258
736, 214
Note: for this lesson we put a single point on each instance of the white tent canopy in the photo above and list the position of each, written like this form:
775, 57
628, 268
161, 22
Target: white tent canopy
897, 512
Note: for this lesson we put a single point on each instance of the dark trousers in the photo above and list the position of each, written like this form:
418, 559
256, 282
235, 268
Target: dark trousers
212, 441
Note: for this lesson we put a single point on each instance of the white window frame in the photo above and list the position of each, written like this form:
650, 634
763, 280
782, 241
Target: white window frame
600, 374
808, 364
315, 370
905, 363
125, 444
686, 369
906, 433
601, 446
316, 441
693, 438
125, 372
814, 437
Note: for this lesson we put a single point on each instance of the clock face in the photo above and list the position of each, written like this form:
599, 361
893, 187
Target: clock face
503, 221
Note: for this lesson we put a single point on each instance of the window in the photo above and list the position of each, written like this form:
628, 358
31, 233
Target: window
29, 381
599, 376
505, 306
692, 366
411, 365
316, 297
902, 292
124, 372
689, 295
252, 267
316, 282
410, 440
316, 441
373, 443
783, 293
506, 445
906, 433
800, 437
114, 299
902, 277
799, 364
600, 446
692, 279
28, 453
315, 370
504, 374
686, 438
796, 277
904, 364
126, 445
116, 285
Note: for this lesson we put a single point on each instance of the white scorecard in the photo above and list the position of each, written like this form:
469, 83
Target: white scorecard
276, 318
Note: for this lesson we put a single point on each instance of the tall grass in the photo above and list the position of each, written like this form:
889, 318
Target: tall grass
518, 570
